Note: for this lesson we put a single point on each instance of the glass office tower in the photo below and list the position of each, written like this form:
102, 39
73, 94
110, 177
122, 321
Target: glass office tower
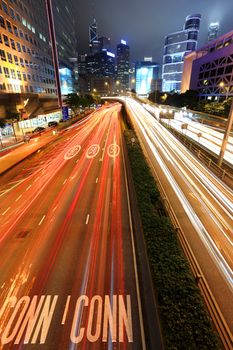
177, 45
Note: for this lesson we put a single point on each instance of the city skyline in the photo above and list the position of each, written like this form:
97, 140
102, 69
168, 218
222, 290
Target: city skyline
149, 40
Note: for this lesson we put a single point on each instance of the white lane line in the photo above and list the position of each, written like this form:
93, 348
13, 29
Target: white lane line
54, 208
77, 160
41, 220
66, 310
28, 187
6, 211
18, 198
64, 181
97, 179
87, 219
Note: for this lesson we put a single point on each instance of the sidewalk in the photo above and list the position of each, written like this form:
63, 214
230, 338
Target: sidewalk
12, 156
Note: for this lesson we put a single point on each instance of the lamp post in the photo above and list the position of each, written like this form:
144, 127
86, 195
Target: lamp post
226, 135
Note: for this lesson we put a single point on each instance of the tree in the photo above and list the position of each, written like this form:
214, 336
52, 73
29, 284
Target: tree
73, 101
2, 122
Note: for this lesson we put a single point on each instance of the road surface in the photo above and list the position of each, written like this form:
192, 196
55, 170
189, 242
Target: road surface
68, 269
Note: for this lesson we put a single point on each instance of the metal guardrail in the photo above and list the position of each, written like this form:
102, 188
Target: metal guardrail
212, 305
201, 154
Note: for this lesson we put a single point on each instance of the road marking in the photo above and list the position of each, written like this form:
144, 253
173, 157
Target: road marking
41, 220
77, 160
18, 198
64, 181
92, 151
6, 211
28, 187
87, 219
72, 152
66, 310
54, 208
97, 179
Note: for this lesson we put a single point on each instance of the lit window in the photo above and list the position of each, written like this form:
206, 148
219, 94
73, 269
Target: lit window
13, 44
2, 55
5, 8
6, 40
16, 31
9, 57
2, 22
24, 22
9, 26
18, 47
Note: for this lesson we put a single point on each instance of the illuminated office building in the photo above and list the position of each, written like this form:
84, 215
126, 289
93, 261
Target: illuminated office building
66, 44
147, 73
26, 64
94, 43
177, 46
209, 70
213, 31
105, 43
123, 65
101, 64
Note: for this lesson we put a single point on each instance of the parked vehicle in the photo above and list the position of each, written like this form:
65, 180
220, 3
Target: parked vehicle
52, 123
38, 129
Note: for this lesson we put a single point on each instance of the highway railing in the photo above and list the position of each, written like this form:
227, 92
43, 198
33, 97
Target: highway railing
212, 305
204, 156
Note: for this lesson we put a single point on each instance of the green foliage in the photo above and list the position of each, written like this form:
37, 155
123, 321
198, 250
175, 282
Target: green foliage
2, 122
185, 322
216, 107
74, 100
190, 100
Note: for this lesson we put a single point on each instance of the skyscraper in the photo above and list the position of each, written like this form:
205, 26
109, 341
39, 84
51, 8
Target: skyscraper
66, 44
123, 65
213, 31
147, 74
105, 43
177, 45
94, 43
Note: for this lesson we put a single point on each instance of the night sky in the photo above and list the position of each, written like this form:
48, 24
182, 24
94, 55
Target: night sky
144, 23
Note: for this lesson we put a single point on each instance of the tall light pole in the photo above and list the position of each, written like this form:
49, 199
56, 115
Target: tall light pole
52, 35
226, 135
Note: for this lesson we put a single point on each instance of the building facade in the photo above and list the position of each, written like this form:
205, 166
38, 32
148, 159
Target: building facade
94, 43
123, 65
66, 44
213, 31
25, 56
147, 75
177, 46
209, 70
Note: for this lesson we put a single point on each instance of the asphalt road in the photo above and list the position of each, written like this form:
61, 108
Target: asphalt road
68, 271
201, 202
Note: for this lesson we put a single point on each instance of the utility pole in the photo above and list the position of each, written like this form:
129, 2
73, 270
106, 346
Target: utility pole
52, 35
226, 135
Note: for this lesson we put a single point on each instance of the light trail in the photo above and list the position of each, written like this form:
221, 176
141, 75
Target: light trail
212, 218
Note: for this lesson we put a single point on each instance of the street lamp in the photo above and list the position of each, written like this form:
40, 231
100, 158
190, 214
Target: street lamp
226, 135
